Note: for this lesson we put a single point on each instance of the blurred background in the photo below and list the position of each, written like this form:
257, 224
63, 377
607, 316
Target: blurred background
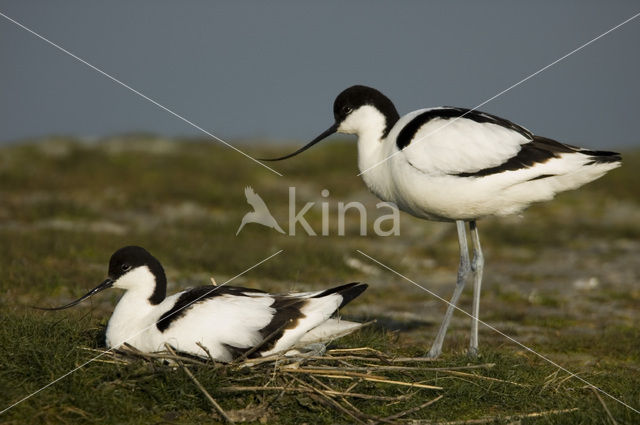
87, 166
270, 70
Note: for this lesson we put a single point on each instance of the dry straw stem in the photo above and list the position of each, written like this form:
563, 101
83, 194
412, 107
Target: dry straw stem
357, 350
377, 367
353, 408
354, 375
493, 419
236, 388
206, 350
200, 387
380, 355
412, 410
113, 360
354, 412
328, 400
412, 359
302, 375
124, 353
606, 409
329, 357
473, 375
130, 350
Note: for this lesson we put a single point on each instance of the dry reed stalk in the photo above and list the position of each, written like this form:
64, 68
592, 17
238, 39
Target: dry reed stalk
487, 378
330, 401
215, 404
606, 409
493, 419
413, 409
331, 392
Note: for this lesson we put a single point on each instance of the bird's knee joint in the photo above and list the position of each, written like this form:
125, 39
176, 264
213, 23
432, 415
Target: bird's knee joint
477, 262
464, 271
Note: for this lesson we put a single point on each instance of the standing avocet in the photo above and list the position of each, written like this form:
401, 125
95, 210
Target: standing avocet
227, 320
455, 164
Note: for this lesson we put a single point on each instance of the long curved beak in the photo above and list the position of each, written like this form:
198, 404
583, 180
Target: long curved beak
108, 283
328, 132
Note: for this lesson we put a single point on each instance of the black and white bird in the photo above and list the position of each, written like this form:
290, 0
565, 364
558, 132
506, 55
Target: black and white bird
455, 164
228, 320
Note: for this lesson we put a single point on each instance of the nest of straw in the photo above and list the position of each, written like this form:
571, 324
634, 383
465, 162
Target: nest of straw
342, 380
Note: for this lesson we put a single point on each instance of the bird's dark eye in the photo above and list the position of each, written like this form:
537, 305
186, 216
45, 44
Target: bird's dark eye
346, 110
125, 267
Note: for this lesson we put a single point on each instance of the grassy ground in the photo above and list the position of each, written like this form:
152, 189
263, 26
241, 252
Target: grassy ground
562, 279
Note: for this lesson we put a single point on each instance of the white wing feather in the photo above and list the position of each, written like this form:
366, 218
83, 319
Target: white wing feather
453, 146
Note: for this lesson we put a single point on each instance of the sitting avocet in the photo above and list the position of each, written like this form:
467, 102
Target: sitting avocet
227, 320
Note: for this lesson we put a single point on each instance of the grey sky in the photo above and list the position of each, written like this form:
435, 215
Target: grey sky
272, 69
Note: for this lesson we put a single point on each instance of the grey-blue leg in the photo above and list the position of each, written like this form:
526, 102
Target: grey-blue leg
477, 266
463, 272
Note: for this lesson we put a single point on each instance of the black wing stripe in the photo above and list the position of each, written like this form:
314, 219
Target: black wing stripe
409, 131
538, 151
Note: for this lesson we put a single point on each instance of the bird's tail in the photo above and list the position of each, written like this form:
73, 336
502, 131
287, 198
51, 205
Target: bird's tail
602, 157
348, 292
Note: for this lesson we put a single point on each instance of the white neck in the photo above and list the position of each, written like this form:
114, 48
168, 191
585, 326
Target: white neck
369, 124
133, 312
129, 318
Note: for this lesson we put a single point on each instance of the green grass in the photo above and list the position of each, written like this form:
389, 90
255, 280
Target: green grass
66, 206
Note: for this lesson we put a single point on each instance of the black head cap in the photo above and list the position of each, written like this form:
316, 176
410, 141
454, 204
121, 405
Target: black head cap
346, 102
356, 96
130, 257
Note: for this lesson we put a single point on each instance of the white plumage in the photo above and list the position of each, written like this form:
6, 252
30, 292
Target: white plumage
454, 164
227, 320
448, 147
423, 177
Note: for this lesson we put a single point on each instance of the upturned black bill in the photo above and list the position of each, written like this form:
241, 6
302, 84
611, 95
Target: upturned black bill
108, 283
328, 132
